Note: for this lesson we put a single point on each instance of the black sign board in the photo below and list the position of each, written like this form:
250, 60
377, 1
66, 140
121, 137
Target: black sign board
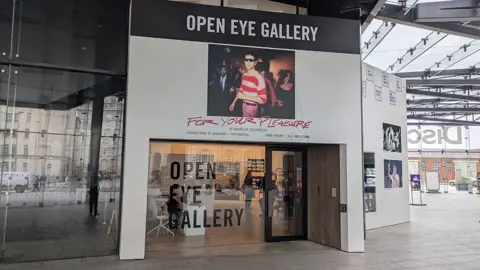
186, 21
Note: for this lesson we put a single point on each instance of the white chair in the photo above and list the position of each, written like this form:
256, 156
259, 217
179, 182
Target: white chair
161, 216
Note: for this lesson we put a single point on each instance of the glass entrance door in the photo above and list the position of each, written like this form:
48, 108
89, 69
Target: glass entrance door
285, 194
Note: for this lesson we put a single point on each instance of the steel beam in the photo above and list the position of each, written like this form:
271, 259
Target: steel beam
447, 11
451, 59
439, 124
393, 13
423, 101
444, 83
377, 37
442, 95
449, 72
425, 44
375, 10
442, 120
444, 109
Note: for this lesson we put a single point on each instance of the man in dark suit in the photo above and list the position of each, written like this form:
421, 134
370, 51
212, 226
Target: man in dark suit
222, 93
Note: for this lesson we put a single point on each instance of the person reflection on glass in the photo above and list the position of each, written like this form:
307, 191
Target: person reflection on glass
174, 207
252, 90
248, 190
93, 199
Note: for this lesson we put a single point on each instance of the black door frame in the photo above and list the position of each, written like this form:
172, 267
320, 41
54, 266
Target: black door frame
268, 188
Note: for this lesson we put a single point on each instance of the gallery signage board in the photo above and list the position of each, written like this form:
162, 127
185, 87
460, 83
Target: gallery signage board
184, 21
283, 87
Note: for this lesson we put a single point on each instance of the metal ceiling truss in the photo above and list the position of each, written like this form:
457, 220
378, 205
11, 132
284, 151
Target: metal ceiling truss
473, 70
445, 109
451, 59
376, 38
408, 5
416, 51
443, 95
395, 13
441, 108
442, 120
437, 124
447, 11
445, 103
424, 101
373, 13
444, 83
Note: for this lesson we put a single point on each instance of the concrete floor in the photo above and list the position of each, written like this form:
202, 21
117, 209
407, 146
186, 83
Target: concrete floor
443, 235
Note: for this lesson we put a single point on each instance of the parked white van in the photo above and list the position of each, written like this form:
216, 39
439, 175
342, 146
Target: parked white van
15, 180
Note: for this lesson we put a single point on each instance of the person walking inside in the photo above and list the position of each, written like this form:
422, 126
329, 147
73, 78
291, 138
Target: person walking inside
248, 190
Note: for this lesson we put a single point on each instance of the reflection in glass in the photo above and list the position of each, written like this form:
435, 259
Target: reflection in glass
204, 195
286, 197
45, 133
86, 34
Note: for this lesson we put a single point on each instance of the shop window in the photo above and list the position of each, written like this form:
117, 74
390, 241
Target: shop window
197, 190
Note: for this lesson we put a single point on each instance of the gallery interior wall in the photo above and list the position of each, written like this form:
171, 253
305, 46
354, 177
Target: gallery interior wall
384, 101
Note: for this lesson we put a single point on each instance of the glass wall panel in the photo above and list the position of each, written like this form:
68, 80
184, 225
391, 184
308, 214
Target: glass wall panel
6, 9
200, 195
46, 120
86, 34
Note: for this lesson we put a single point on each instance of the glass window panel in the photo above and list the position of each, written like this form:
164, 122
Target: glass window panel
51, 119
86, 34
6, 7
220, 212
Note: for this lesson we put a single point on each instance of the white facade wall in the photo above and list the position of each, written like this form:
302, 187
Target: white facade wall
392, 204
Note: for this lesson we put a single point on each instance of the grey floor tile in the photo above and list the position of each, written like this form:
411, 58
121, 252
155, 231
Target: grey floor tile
432, 241
461, 266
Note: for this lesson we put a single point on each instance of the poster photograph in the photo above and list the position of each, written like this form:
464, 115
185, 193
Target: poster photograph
392, 173
250, 82
392, 140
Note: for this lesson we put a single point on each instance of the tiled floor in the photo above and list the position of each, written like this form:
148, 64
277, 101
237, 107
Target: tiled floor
444, 235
